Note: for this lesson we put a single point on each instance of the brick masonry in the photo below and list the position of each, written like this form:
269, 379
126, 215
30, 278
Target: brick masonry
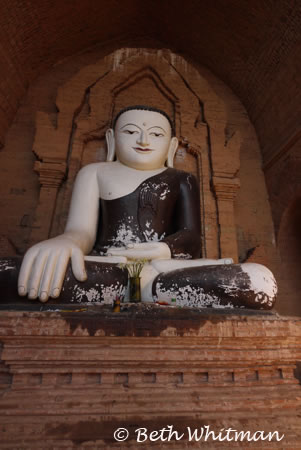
69, 379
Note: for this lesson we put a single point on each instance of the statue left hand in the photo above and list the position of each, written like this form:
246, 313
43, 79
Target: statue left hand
145, 250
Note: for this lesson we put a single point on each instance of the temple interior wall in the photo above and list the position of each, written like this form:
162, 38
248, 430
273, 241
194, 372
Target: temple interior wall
236, 192
284, 183
68, 379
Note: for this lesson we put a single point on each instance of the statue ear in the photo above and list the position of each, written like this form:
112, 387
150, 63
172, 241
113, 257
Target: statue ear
172, 151
110, 138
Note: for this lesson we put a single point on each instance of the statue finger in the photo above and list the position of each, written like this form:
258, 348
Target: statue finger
78, 265
142, 245
47, 276
140, 253
26, 268
59, 273
36, 274
117, 251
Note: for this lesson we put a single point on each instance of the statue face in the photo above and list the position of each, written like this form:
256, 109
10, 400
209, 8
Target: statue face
142, 139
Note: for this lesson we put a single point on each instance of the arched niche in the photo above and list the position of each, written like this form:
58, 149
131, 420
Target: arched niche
86, 105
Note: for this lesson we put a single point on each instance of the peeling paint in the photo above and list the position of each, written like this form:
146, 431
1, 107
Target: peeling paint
104, 294
193, 297
4, 265
125, 235
182, 256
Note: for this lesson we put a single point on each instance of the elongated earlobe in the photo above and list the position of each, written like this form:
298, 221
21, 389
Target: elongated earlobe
110, 138
172, 151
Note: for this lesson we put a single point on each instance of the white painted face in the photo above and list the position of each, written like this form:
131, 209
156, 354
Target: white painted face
143, 139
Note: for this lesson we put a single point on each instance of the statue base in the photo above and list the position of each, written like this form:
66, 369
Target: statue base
71, 376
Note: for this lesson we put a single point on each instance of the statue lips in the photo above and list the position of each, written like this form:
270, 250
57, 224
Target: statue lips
139, 149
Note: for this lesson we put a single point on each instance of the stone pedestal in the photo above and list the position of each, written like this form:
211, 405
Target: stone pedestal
70, 377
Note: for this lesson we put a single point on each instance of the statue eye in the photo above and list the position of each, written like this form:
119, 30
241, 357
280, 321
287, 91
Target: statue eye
156, 134
129, 131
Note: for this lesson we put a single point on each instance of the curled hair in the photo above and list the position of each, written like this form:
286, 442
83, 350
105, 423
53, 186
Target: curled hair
145, 108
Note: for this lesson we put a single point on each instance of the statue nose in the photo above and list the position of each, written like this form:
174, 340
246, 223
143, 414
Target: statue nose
143, 138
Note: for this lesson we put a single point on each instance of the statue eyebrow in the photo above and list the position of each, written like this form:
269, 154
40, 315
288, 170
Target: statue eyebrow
127, 124
156, 126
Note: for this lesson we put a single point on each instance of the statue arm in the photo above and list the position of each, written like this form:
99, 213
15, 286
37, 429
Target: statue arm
185, 243
44, 265
145, 250
82, 220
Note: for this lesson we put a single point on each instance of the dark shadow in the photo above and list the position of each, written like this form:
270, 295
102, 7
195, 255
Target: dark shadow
289, 241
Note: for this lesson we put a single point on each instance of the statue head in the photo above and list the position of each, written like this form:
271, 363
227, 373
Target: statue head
142, 138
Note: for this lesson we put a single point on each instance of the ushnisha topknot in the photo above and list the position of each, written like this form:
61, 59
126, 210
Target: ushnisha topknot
145, 108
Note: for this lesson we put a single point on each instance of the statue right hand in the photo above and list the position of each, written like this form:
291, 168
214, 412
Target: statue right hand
44, 266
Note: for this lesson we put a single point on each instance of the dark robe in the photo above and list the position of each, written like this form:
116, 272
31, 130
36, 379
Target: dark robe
165, 208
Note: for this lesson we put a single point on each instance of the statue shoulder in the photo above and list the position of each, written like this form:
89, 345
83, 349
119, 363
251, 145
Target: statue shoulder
90, 169
87, 177
184, 178
93, 170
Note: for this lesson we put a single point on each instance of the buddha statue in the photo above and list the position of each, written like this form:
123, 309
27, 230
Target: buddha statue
133, 206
